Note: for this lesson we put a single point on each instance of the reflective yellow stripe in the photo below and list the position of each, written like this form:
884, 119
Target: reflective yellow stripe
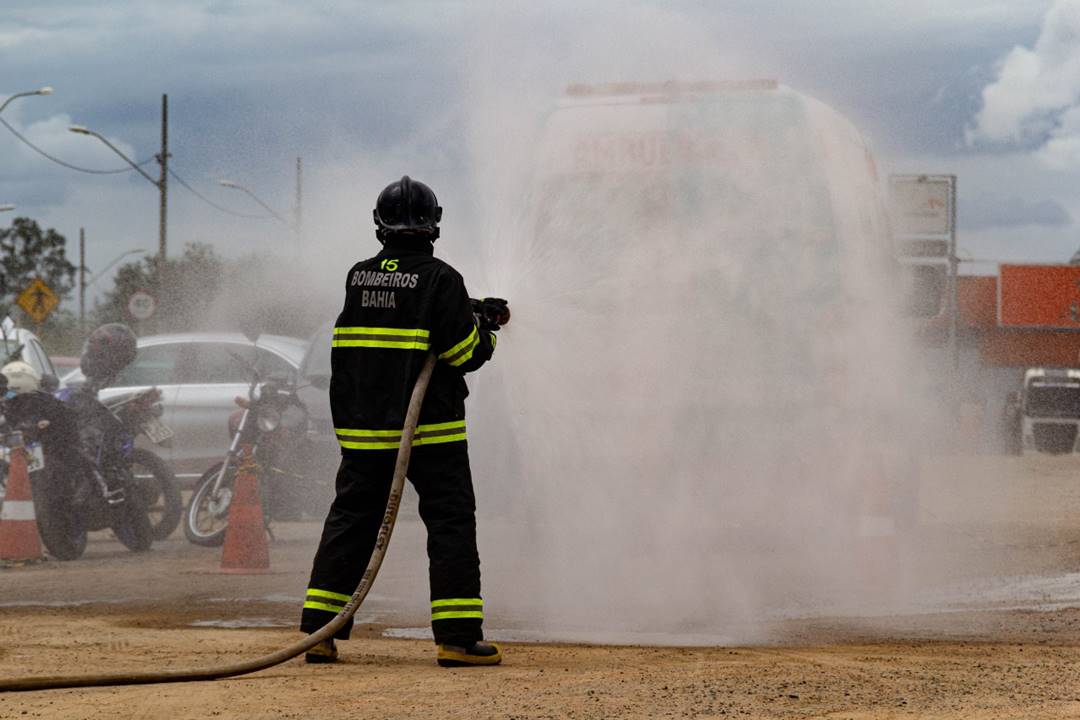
369, 445
385, 445
373, 433
478, 614
429, 434
414, 332
454, 608
463, 350
390, 344
380, 337
327, 594
458, 437
312, 605
457, 601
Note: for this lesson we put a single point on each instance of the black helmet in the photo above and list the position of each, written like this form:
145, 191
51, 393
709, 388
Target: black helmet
407, 206
107, 351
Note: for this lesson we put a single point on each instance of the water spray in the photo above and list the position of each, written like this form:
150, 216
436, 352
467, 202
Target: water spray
276, 658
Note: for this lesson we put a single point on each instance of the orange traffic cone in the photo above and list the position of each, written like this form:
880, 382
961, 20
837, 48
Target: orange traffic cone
245, 550
18, 524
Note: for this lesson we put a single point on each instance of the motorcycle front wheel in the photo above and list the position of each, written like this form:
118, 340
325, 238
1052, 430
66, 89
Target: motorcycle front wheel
208, 512
156, 483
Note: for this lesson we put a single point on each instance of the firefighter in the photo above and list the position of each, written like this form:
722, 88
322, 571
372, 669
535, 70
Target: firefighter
399, 306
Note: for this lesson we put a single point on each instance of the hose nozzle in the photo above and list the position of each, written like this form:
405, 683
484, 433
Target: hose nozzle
491, 313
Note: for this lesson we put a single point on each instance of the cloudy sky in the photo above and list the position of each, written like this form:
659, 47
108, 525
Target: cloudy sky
987, 90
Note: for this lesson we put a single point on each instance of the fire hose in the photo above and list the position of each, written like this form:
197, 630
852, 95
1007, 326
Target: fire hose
412, 416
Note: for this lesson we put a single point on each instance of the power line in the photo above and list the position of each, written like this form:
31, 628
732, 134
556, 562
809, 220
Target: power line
213, 204
93, 171
68, 165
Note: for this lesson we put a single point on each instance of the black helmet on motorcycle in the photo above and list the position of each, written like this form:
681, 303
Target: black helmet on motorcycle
107, 351
407, 207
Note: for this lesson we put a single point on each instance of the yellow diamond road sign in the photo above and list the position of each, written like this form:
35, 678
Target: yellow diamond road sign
38, 300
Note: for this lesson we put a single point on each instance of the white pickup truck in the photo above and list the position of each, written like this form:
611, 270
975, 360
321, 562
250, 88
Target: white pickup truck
1050, 411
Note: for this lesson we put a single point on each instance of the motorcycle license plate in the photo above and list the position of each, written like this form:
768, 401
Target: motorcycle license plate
35, 458
157, 431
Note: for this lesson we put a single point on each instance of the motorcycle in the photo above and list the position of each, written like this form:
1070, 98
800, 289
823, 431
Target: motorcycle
140, 413
274, 424
81, 479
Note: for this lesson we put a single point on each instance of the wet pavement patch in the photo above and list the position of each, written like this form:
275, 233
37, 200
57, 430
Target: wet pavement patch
244, 622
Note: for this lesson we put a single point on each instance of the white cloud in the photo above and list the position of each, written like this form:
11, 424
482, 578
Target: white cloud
11, 39
53, 136
1037, 89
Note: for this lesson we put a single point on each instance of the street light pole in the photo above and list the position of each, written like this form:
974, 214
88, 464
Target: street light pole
83, 283
162, 183
256, 198
118, 258
80, 130
40, 91
298, 209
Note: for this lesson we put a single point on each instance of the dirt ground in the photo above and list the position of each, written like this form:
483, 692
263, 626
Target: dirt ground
385, 678
996, 656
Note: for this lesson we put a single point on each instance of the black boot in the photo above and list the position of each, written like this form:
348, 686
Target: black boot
479, 653
324, 652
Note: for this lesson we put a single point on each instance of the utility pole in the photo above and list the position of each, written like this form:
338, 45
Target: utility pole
299, 203
163, 188
162, 184
82, 280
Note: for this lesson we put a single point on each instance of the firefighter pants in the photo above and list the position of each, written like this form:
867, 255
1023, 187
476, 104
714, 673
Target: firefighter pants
440, 474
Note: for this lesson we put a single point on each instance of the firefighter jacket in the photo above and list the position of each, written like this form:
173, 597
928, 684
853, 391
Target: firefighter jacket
399, 306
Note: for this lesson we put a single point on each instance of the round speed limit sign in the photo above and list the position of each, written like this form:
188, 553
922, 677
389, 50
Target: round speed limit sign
141, 305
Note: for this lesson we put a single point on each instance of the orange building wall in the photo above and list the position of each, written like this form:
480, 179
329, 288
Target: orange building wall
977, 299
1039, 296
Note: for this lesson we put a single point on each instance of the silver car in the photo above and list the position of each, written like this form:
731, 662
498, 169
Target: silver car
21, 344
199, 375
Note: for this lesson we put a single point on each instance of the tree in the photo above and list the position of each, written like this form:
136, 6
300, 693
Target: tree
201, 291
27, 252
185, 289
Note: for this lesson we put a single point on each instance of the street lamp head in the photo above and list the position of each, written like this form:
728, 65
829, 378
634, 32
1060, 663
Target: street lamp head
46, 90
118, 258
79, 129
6, 207
241, 188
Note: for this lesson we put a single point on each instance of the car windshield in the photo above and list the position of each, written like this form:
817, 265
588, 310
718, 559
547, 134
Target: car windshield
317, 360
10, 349
1059, 400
